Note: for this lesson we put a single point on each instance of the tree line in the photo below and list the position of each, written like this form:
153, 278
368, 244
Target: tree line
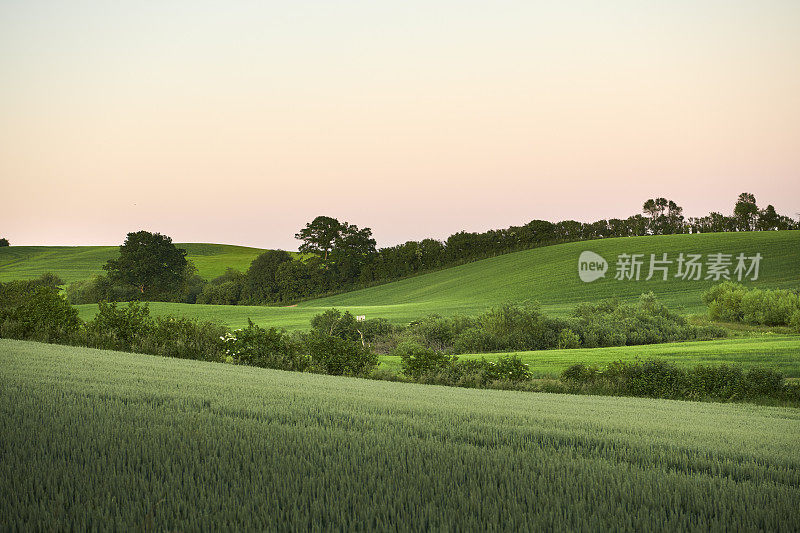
339, 256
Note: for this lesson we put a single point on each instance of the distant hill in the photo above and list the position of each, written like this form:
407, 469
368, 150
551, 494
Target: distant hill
548, 275
74, 263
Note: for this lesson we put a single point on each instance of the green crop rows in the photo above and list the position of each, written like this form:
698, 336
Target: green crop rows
105, 440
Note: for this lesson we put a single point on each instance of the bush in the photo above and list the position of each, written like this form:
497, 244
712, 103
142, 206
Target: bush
337, 356
119, 327
185, 339
333, 323
223, 290
35, 310
100, 289
611, 323
568, 339
510, 328
511, 368
417, 360
734, 302
578, 373
661, 379
265, 348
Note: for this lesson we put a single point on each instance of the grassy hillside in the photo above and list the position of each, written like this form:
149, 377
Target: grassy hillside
548, 275
779, 352
74, 263
123, 441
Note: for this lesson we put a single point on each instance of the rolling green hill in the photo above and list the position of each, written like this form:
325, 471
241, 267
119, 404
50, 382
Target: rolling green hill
95, 438
548, 275
73, 263
778, 352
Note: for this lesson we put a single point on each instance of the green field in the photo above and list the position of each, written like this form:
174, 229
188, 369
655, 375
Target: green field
779, 352
74, 263
548, 275
108, 440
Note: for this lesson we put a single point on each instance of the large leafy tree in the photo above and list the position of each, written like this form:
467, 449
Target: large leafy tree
3, 242
352, 248
746, 211
261, 283
319, 236
342, 249
149, 262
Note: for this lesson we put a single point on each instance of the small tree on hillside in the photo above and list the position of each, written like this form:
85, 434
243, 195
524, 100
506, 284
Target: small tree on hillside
149, 262
3, 242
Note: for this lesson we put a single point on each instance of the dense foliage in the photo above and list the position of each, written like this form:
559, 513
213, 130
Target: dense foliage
660, 379
4, 242
734, 302
36, 310
149, 262
103, 440
513, 327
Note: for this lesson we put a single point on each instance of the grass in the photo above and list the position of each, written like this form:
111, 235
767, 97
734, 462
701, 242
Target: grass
74, 263
108, 440
548, 275
779, 352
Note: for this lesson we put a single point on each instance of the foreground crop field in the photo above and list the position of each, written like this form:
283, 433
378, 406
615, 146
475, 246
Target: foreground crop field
778, 352
73, 263
548, 275
94, 439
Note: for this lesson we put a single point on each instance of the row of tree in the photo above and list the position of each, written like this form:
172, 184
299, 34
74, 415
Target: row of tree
339, 256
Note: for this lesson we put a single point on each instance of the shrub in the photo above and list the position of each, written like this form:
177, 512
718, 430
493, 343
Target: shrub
266, 348
186, 339
119, 327
579, 373
100, 289
511, 368
35, 310
338, 356
417, 360
736, 303
660, 379
568, 339
226, 293
223, 290
336, 324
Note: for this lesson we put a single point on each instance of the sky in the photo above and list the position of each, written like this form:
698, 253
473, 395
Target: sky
239, 122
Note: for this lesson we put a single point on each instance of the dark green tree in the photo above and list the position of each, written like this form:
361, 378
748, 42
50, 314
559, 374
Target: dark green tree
746, 211
151, 263
261, 283
352, 248
319, 236
768, 219
3, 242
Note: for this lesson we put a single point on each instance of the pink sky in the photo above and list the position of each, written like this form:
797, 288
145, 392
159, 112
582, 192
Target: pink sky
214, 123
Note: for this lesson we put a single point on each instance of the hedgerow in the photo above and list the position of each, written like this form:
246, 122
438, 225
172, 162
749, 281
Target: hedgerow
734, 302
339, 344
